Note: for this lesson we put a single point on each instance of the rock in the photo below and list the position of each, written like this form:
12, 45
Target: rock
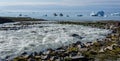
24, 53
40, 53
2, 41
76, 36
101, 50
33, 32
31, 59
35, 53
52, 58
37, 57
5, 20
30, 56
7, 57
45, 57
78, 42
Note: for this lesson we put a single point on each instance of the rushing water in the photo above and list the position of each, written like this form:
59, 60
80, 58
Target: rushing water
43, 36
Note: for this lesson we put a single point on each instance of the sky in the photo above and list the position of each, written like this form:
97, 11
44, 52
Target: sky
59, 2
7, 4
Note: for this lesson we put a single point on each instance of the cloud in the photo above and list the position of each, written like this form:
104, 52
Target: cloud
91, 2
26, 3
62, 2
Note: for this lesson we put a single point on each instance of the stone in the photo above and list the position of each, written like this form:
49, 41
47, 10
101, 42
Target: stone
76, 36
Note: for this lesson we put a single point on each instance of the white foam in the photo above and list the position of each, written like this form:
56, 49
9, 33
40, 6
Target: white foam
49, 36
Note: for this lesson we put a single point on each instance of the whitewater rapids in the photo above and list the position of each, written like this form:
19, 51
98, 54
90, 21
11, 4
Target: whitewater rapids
43, 36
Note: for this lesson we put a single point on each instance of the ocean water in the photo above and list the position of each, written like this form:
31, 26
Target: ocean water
72, 15
42, 36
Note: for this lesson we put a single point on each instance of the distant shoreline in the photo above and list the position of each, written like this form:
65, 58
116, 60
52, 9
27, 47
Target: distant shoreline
24, 19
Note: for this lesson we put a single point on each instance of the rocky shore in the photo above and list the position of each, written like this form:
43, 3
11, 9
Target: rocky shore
17, 19
101, 50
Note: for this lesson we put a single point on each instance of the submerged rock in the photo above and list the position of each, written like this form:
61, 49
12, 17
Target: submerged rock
76, 36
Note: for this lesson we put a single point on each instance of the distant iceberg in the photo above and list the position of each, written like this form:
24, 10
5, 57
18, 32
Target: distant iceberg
115, 14
99, 13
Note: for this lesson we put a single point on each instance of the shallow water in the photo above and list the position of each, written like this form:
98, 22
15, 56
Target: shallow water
15, 42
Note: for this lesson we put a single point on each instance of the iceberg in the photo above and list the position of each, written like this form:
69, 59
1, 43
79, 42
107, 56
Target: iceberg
99, 13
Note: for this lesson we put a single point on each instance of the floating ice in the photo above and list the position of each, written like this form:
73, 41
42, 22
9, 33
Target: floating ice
15, 42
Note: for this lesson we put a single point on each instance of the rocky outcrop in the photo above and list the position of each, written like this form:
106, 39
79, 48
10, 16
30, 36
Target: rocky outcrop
5, 20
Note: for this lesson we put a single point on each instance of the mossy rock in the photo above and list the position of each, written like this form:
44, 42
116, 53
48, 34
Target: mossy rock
67, 59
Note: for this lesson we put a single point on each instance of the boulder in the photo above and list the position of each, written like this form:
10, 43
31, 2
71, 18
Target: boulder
76, 36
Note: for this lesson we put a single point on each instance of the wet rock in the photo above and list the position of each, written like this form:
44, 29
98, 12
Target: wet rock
33, 32
31, 55
35, 53
76, 36
78, 42
40, 53
46, 31
2, 41
31, 59
45, 57
24, 53
5, 20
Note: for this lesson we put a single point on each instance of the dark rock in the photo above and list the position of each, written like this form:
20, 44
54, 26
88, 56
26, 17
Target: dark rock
73, 54
74, 35
7, 57
33, 32
78, 42
31, 59
77, 36
24, 53
5, 20
35, 54
31, 55
40, 53
2, 41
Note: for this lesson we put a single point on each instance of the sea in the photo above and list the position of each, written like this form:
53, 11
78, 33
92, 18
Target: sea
68, 15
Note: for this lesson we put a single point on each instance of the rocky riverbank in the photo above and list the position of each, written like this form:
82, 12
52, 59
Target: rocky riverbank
100, 50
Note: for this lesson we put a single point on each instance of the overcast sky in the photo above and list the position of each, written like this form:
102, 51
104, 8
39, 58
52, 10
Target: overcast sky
59, 2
